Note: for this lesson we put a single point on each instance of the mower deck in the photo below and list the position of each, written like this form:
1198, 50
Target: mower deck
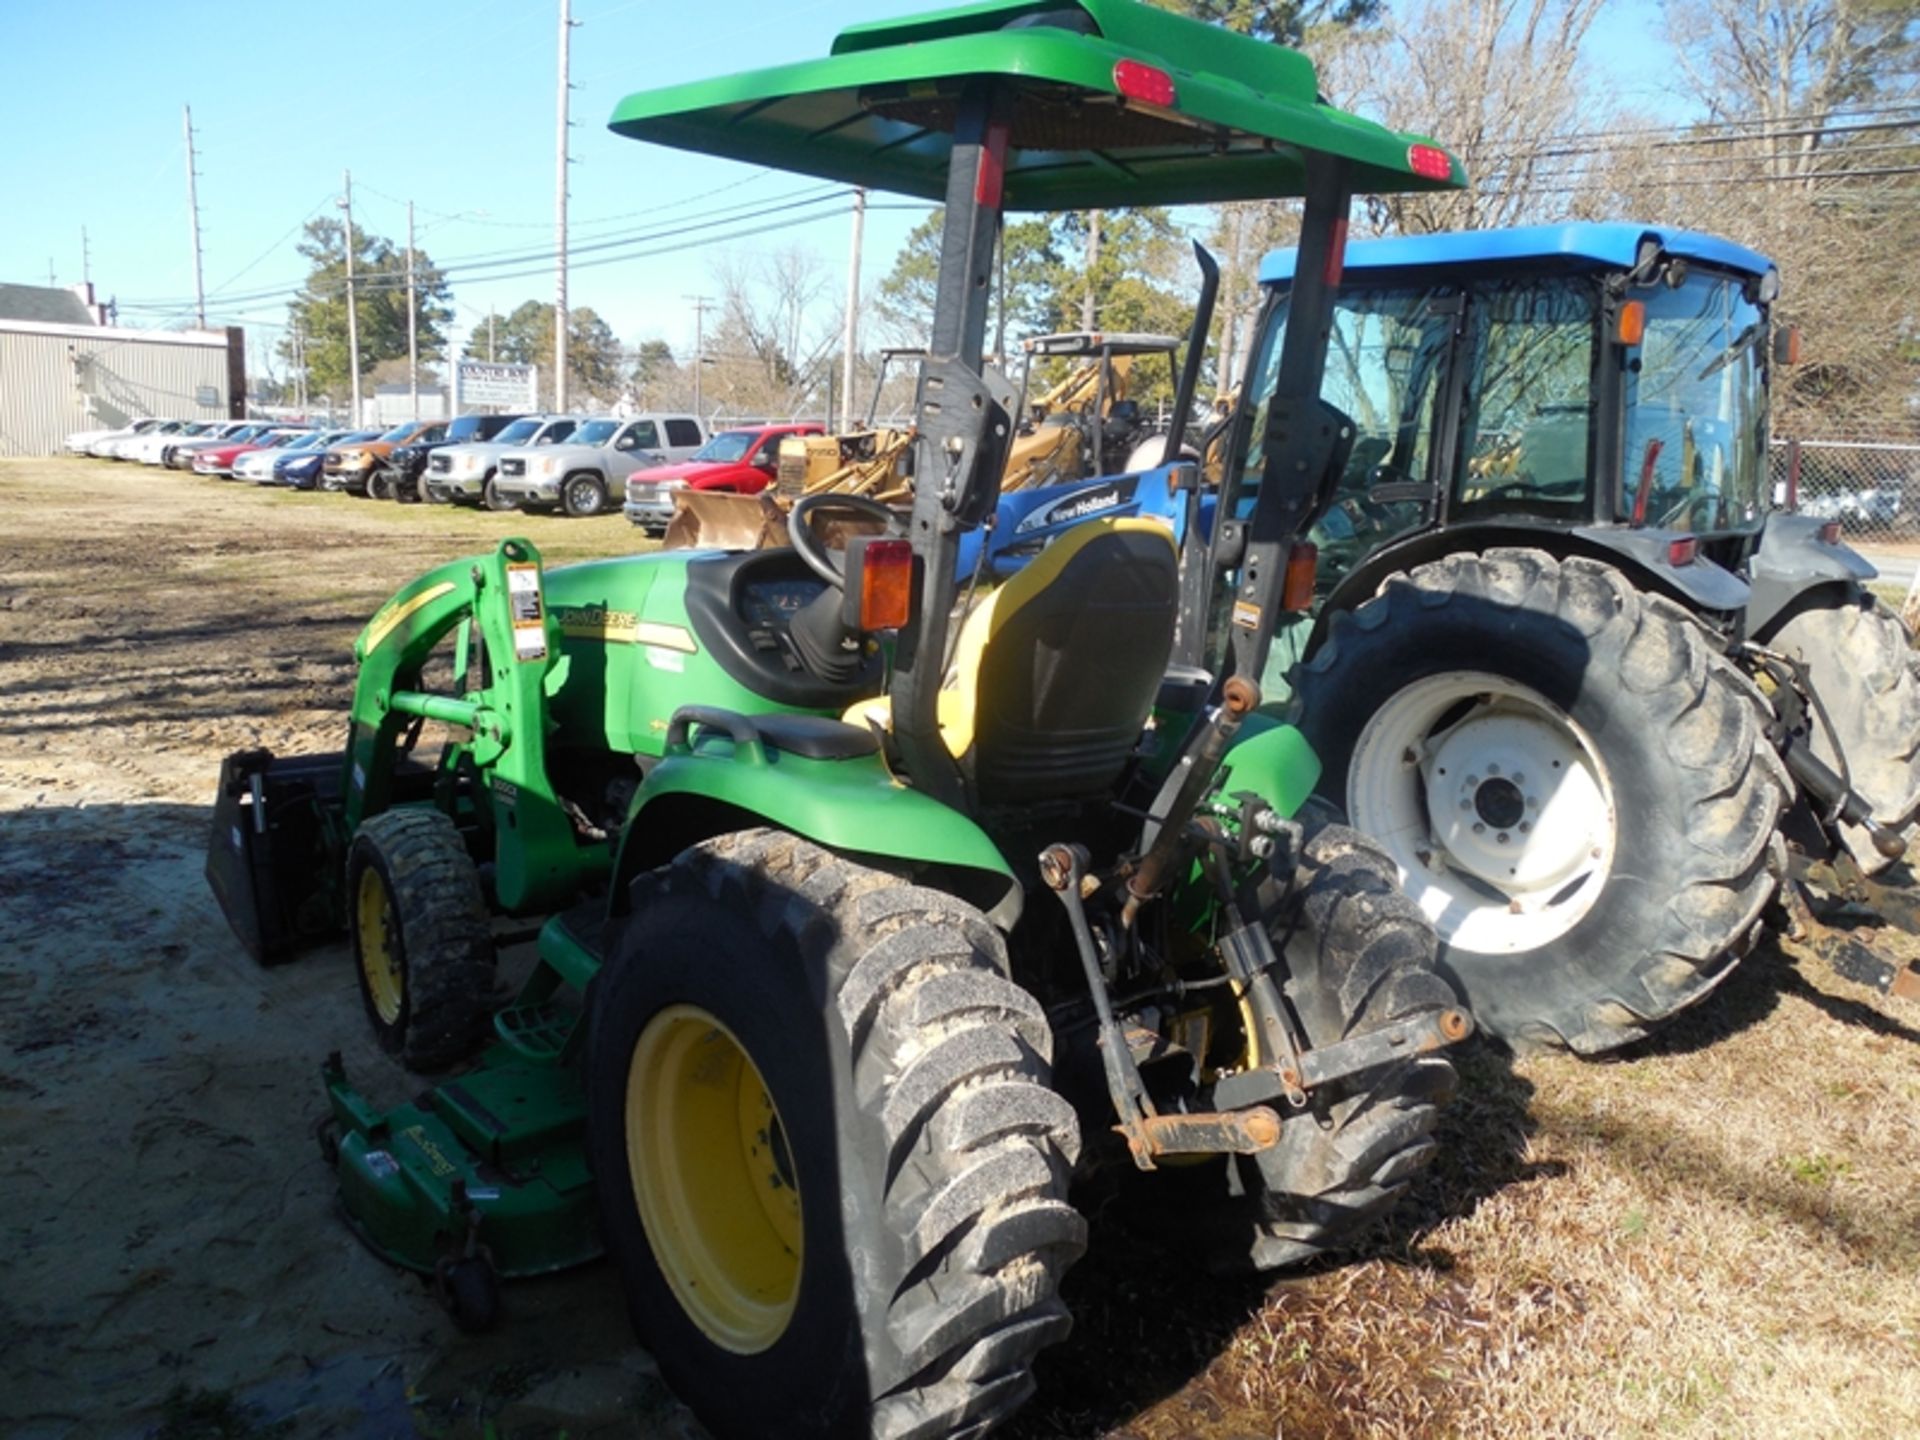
499, 1152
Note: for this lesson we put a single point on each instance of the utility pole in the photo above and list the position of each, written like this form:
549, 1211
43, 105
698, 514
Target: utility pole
490, 355
701, 304
86, 259
299, 367
193, 218
1087, 316
413, 334
353, 309
560, 215
850, 338
51, 282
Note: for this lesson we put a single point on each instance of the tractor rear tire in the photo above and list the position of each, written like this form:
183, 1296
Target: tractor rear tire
422, 942
1861, 663
1359, 956
583, 495
1648, 823
831, 1170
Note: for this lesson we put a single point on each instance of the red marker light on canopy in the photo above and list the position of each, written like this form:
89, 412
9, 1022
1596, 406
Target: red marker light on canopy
1681, 552
1145, 83
1430, 162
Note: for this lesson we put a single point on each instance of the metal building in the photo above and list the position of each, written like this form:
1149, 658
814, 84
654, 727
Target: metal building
60, 371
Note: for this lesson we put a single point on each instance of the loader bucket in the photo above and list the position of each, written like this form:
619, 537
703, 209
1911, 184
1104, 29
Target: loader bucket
274, 856
725, 522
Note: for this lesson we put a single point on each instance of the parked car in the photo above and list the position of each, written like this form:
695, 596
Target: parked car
257, 465
108, 446
81, 442
218, 459
407, 464
350, 467
1873, 507
151, 448
178, 453
464, 474
585, 474
677, 437
303, 469
734, 462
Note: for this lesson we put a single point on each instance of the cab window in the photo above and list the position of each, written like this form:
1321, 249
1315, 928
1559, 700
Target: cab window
1529, 421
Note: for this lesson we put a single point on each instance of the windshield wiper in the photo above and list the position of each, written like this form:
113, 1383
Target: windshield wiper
1742, 343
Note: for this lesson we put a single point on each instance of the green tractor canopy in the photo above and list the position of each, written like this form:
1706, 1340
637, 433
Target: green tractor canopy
1117, 104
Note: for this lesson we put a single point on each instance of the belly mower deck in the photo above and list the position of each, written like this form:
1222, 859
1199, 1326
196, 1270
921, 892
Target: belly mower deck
483, 1177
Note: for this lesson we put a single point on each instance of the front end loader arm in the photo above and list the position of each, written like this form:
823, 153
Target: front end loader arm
497, 600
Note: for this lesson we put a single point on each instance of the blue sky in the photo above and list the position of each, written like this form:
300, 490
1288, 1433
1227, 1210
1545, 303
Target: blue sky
451, 105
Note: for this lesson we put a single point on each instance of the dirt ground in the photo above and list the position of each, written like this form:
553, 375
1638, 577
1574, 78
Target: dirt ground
1716, 1235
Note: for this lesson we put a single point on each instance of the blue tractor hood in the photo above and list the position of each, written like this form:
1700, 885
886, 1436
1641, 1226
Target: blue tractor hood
1613, 246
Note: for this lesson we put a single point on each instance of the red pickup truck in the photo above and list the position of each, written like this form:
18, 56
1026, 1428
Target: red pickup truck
734, 462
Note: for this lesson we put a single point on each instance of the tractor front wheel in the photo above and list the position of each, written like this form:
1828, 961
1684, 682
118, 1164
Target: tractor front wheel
422, 943
831, 1172
1359, 957
1572, 779
1861, 664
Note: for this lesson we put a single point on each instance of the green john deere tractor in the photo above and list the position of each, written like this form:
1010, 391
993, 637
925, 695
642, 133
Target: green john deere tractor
828, 1015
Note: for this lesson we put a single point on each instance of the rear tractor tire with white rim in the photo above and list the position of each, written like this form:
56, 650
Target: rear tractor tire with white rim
1573, 781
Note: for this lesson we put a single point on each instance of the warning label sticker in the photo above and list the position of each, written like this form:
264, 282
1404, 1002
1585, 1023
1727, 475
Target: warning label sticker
527, 611
1246, 614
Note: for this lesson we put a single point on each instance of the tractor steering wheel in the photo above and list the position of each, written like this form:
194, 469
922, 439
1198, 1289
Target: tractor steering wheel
824, 562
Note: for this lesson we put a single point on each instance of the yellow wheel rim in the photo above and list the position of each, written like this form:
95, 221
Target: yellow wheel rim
379, 949
713, 1179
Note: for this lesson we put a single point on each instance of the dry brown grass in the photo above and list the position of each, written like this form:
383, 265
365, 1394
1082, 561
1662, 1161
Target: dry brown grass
1713, 1235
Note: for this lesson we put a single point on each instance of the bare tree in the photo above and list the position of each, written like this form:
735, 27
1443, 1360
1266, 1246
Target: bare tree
1809, 160
1498, 82
776, 335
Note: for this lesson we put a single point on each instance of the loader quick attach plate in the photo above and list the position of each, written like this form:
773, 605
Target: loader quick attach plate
273, 857
509, 1136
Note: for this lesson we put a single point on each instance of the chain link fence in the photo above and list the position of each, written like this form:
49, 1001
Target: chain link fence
1872, 486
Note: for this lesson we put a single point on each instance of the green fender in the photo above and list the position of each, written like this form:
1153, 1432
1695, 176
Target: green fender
1274, 761
853, 806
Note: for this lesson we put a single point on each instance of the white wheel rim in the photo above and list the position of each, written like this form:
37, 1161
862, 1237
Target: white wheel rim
1495, 805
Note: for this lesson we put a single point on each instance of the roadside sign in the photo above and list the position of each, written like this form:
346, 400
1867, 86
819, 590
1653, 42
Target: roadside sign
478, 383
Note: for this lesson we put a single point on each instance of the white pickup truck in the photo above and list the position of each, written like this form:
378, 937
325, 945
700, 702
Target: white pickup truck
582, 476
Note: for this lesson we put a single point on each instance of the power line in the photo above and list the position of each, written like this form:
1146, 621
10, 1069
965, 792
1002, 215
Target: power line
469, 264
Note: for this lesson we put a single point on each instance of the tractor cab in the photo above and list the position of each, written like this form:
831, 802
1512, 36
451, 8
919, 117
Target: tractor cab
1605, 380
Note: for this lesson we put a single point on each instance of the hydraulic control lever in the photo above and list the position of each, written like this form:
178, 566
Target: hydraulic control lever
1186, 786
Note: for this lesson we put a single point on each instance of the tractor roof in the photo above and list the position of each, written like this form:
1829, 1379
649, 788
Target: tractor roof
1610, 246
1116, 103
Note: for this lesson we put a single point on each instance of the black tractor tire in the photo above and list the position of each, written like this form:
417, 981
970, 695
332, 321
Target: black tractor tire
490, 495
1696, 790
583, 494
1359, 956
1861, 664
908, 1080
422, 942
